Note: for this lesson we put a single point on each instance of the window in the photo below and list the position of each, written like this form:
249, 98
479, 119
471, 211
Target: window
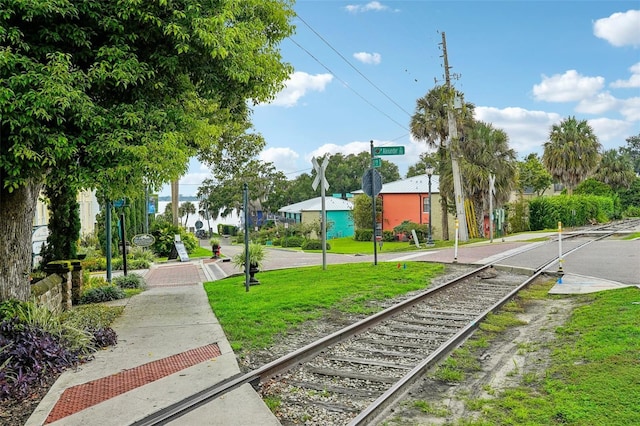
425, 205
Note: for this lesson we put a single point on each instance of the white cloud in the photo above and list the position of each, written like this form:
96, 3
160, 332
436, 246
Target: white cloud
619, 29
634, 80
630, 109
527, 130
368, 58
298, 85
598, 104
568, 87
332, 148
284, 159
373, 5
610, 132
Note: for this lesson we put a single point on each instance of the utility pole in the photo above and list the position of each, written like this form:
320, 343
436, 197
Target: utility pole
453, 136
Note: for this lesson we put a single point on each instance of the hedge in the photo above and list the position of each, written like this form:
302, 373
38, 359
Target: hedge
575, 210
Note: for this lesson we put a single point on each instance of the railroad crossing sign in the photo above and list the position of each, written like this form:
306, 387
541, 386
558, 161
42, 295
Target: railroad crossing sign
319, 173
372, 182
388, 150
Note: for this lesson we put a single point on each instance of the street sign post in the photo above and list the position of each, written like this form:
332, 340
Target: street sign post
388, 150
324, 185
372, 182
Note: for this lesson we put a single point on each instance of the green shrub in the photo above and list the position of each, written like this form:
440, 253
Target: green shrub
632, 211
363, 235
38, 316
91, 316
129, 281
422, 230
94, 282
136, 264
388, 236
140, 253
102, 294
12, 308
227, 229
314, 245
165, 232
294, 241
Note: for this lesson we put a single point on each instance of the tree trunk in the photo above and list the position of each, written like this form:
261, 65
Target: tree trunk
445, 218
17, 211
175, 195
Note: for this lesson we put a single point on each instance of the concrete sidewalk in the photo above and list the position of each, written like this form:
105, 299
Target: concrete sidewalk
170, 346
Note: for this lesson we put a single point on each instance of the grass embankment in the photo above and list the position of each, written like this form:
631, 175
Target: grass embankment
594, 373
287, 298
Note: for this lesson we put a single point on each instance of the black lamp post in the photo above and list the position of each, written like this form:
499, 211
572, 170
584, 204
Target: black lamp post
430, 171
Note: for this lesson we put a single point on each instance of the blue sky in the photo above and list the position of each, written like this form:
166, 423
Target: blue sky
360, 66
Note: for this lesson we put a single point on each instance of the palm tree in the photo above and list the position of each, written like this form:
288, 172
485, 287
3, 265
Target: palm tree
615, 169
486, 152
187, 208
572, 152
430, 124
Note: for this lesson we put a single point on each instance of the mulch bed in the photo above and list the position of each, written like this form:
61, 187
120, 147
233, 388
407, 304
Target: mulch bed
16, 413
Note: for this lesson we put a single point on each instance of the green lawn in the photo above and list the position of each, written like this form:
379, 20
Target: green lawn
286, 298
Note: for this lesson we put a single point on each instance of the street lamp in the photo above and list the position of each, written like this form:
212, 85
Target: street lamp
430, 171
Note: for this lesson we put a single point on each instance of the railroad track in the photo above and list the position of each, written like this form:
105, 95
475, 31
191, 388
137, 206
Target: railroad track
353, 375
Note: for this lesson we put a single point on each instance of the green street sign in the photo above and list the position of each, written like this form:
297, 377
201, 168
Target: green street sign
377, 162
389, 150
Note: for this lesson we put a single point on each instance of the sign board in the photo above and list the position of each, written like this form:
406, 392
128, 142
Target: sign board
415, 238
317, 167
143, 240
377, 162
199, 224
372, 182
179, 250
389, 150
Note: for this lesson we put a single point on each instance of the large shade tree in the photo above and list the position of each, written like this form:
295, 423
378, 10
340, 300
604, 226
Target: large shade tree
223, 195
572, 152
420, 167
123, 94
430, 124
344, 172
532, 176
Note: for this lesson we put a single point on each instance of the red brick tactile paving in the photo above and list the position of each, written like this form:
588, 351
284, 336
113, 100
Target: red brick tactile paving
166, 276
79, 397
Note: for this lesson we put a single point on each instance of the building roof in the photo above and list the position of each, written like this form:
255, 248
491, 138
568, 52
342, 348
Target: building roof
315, 204
413, 185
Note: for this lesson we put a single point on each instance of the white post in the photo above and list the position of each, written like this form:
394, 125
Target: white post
560, 260
492, 182
455, 245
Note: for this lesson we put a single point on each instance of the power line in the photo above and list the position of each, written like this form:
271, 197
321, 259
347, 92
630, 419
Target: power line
352, 66
347, 85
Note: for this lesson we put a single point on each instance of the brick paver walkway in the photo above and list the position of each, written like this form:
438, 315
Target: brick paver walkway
175, 275
79, 397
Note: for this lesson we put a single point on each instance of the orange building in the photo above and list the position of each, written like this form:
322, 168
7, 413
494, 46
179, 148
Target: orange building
408, 200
